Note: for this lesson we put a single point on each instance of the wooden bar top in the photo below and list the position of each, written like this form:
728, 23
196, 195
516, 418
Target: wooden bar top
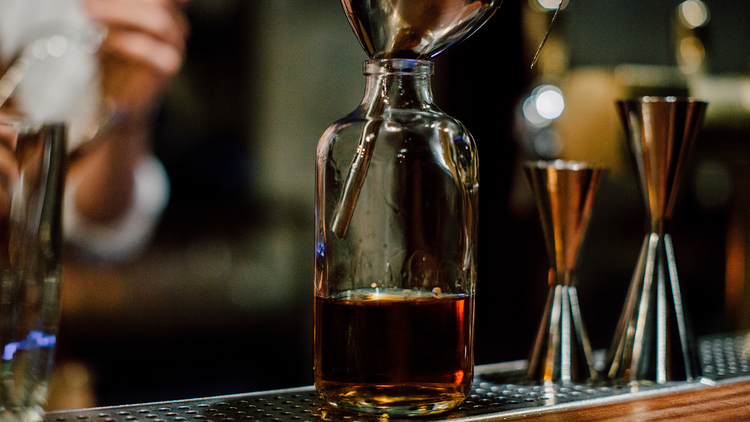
729, 402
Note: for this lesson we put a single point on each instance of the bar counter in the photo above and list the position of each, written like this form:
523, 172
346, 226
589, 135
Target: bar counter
729, 402
723, 393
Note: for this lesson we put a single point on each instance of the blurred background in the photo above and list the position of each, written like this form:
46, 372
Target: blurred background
221, 301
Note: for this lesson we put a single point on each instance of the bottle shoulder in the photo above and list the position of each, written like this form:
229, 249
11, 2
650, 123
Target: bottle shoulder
408, 117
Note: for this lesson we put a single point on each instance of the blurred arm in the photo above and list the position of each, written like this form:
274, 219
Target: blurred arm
143, 49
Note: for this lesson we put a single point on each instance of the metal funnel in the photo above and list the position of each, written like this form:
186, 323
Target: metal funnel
402, 29
652, 341
564, 194
415, 29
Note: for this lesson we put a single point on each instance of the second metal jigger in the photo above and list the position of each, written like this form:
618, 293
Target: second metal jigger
652, 342
564, 192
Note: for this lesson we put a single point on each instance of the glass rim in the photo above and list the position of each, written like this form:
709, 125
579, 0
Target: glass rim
397, 66
561, 164
662, 99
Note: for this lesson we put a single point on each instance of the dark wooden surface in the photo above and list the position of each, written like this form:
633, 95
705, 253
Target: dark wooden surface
721, 403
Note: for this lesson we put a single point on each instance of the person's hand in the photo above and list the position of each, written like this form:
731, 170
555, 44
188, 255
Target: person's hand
143, 48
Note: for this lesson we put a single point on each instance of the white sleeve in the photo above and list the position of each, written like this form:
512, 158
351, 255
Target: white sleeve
131, 232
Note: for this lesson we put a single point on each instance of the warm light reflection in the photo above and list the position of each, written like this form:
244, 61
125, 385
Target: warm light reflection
693, 13
458, 377
734, 272
691, 54
745, 95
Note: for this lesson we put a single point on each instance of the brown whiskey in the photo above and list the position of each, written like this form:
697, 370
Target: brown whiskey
394, 351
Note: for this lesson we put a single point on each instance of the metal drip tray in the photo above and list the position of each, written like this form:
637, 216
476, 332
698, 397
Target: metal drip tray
724, 359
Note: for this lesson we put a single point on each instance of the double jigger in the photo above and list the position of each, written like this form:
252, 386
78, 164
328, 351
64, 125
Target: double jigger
564, 192
653, 342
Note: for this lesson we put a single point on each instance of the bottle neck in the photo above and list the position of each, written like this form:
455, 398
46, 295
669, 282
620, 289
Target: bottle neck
397, 84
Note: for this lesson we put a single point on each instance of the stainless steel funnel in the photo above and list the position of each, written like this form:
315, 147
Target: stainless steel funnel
415, 29
652, 341
564, 193
402, 29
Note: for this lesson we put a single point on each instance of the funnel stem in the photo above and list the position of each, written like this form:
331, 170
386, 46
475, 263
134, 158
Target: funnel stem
354, 179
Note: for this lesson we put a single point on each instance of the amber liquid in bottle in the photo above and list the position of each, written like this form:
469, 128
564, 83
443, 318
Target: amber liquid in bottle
377, 349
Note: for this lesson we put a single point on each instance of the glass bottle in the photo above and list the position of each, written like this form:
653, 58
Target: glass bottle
396, 218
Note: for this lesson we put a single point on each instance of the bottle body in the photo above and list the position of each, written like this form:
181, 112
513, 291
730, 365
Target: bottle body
396, 216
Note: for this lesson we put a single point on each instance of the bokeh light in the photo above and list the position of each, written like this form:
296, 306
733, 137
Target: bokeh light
550, 103
549, 4
694, 13
545, 104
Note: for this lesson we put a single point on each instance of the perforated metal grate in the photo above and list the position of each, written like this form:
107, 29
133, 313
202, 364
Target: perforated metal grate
724, 359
